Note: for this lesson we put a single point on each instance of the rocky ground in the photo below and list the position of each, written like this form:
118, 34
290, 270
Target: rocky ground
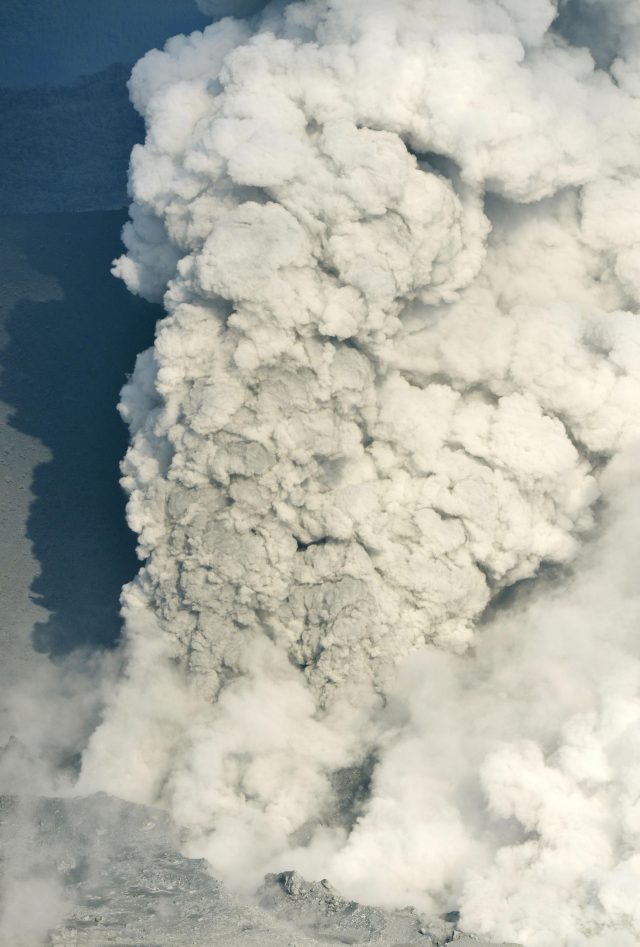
117, 878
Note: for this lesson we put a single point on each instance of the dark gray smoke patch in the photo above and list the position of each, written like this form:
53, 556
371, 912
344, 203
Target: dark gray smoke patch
589, 24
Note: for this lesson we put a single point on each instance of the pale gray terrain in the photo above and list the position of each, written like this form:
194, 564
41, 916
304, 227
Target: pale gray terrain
120, 880
21, 454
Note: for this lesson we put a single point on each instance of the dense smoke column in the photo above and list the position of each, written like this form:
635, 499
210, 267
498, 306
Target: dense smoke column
397, 247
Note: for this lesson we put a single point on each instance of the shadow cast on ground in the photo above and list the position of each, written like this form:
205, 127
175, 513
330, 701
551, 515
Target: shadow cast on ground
63, 367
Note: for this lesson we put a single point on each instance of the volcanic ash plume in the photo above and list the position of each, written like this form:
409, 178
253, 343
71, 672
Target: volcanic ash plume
398, 248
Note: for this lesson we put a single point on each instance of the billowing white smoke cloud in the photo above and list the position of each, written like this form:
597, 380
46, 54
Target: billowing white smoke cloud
512, 776
397, 245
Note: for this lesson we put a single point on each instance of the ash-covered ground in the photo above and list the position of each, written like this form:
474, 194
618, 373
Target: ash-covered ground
116, 873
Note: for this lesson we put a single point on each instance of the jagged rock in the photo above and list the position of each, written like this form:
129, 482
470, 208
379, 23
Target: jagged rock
321, 912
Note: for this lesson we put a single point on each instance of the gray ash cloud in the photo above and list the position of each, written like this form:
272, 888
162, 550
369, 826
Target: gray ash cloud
398, 250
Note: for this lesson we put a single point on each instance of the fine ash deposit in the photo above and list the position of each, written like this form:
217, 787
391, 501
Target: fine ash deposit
118, 868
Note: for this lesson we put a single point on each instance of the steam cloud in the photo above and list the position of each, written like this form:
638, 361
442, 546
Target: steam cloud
397, 244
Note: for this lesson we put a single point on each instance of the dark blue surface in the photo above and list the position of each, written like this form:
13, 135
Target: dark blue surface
58, 41
67, 148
